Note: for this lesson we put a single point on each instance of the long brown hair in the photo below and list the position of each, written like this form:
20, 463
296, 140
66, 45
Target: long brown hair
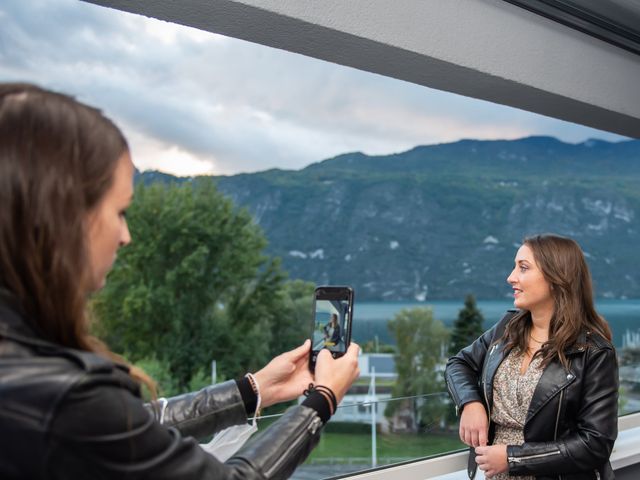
57, 160
563, 266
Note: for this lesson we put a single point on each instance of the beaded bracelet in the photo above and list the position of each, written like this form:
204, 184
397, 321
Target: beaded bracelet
256, 389
325, 392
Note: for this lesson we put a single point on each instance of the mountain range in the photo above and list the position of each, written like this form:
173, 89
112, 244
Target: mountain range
441, 221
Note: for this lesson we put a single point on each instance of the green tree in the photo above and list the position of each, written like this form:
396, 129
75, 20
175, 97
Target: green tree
420, 341
467, 327
373, 346
194, 286
297, 306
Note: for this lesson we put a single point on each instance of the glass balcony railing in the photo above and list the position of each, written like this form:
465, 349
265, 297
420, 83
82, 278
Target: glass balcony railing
371, 433
368, 434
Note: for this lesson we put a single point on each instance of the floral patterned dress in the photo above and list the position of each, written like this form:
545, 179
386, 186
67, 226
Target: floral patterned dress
511, 398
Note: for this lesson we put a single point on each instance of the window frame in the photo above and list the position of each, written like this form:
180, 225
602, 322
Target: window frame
592, 18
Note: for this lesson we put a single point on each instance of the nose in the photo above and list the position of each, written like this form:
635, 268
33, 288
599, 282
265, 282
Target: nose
511, 278
125, 237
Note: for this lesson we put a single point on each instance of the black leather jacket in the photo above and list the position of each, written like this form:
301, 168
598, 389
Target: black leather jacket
67, 414
572, 422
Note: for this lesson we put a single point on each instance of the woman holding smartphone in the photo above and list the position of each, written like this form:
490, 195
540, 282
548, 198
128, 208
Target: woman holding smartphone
70, 408
538, 392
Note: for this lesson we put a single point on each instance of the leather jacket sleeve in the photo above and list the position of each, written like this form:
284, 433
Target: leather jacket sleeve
463, 370
201, 413
589, 444
279, 449
101, 430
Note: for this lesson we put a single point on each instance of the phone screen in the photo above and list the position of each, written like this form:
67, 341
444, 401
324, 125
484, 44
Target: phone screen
332, 315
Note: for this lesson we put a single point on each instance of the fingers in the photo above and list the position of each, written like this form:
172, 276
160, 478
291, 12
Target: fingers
474, 425
474, 437
492, 460
470, 437
482, 438
481, 459
299, 352
337, 374
323, 354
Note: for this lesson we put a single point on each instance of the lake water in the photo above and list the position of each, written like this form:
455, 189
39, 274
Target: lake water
370, 318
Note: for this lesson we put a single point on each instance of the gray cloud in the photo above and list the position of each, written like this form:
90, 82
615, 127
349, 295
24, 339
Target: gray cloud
240, 106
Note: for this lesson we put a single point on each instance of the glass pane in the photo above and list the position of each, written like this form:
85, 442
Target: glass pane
623, 317
405, 429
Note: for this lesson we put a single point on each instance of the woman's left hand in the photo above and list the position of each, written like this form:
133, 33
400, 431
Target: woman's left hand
492, 460
286, 376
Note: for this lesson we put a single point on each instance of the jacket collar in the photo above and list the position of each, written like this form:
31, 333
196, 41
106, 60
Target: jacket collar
579, 345
554, 378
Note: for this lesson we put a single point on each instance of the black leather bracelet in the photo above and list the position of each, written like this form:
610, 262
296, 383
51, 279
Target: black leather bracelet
325, 391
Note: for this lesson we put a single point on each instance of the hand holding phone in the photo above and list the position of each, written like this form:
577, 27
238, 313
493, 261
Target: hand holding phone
338, 374
331, 321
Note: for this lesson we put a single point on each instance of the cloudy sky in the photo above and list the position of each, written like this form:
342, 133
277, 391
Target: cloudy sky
191, 102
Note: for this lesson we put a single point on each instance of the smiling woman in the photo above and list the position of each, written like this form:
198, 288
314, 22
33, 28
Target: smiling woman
539, 391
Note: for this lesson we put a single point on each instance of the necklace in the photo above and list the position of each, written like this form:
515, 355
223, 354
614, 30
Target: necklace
535, 339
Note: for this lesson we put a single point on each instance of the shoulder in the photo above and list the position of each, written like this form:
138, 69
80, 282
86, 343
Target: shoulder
37, 378
595, 341
99, 404
41, 383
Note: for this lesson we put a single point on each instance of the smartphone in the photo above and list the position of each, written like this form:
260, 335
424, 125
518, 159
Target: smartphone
331, 321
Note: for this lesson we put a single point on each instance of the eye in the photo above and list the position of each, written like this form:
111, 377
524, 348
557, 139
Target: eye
523, 268
123, 214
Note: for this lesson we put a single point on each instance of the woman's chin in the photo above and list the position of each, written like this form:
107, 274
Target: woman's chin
96, 285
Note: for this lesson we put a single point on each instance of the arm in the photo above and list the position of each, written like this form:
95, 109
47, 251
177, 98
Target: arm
590, 445
462, 376
463, 370
102, 430
201, 413
217, 407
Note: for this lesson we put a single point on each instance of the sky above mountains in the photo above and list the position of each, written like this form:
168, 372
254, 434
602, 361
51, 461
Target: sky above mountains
192, 102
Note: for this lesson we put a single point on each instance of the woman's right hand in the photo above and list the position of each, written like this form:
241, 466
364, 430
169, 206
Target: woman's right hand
474, 424
337, 373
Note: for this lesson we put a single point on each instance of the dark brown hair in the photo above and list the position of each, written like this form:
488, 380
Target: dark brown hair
57, 160
563, 266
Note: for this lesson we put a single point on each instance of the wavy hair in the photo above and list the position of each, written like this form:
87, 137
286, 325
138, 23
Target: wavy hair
57, 161
563, 266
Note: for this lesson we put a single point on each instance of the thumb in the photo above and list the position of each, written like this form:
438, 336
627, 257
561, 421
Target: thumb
354, 350
300, 351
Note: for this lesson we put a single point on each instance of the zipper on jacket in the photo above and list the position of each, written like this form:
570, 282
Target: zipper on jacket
529, 457
555, 434
292, 449
484, 382
455, 402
